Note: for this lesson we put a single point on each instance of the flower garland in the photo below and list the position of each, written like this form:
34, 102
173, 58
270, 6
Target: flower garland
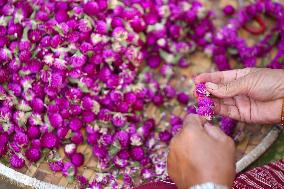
226, 41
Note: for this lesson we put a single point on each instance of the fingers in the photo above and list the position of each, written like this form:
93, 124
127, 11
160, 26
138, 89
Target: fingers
224, 76
227, 107
215, 132
233, 88
193, 122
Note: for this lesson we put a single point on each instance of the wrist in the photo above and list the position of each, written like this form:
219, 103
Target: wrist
209, 185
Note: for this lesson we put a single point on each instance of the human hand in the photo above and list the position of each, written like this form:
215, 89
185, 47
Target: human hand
252, 95
201, 154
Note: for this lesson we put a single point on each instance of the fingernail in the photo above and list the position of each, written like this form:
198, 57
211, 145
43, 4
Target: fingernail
211, 86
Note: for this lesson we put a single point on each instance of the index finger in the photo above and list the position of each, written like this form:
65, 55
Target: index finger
223, 76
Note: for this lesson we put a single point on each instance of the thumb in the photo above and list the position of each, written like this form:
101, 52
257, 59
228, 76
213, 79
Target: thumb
193, 121
230, 89
214, 132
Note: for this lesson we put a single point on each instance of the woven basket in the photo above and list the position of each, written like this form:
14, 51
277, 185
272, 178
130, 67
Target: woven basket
253, 142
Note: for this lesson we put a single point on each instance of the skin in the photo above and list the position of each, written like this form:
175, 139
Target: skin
249, 95
203, 152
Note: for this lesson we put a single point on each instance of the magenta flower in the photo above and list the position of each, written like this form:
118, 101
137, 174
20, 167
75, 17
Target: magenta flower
77, 159
99, 152
118, 120
33, 154
56, 166
55, 120
75, 124
165, 136
201, 90
183, 98
49, 140
69, 169
137, 153
17, 161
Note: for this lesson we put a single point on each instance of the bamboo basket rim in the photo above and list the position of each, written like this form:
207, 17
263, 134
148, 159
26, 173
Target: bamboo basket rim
23, 181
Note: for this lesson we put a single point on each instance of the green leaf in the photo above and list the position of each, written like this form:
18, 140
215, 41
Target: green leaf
113, 150
281, 59
70, 179
273, 38
232, 51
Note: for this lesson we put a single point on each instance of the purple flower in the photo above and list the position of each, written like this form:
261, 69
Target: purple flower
17, 162
61, 16
21, 138
55, 120
88, 116
165, 136
183, 98
229, 10
123, 138
37, 105
191, 110
70, 149
206, 111
33, 132
77, 159
91, 8
227, 125
169, 91
49, 140
137, 153
69, 169
77, 138
147, 173
118, 120
99, 152
205, 101
201, 90
56, 166
123, 154
75, 124
34, 35
120, 163
33, 154
154, 61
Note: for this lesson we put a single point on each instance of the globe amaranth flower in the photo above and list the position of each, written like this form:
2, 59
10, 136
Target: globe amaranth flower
183, 98
227, 125
33, 132
69, 169
120, 163
33, 154
49, 140
99, 151
77, 138
75, 124
201, 90
137, 153
123, 138
77, 159
56, 166
70, 149
55, 120
165, 136
118, 120
21, 138
16, 161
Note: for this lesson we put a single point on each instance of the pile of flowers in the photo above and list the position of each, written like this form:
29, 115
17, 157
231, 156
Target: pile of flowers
81, 72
